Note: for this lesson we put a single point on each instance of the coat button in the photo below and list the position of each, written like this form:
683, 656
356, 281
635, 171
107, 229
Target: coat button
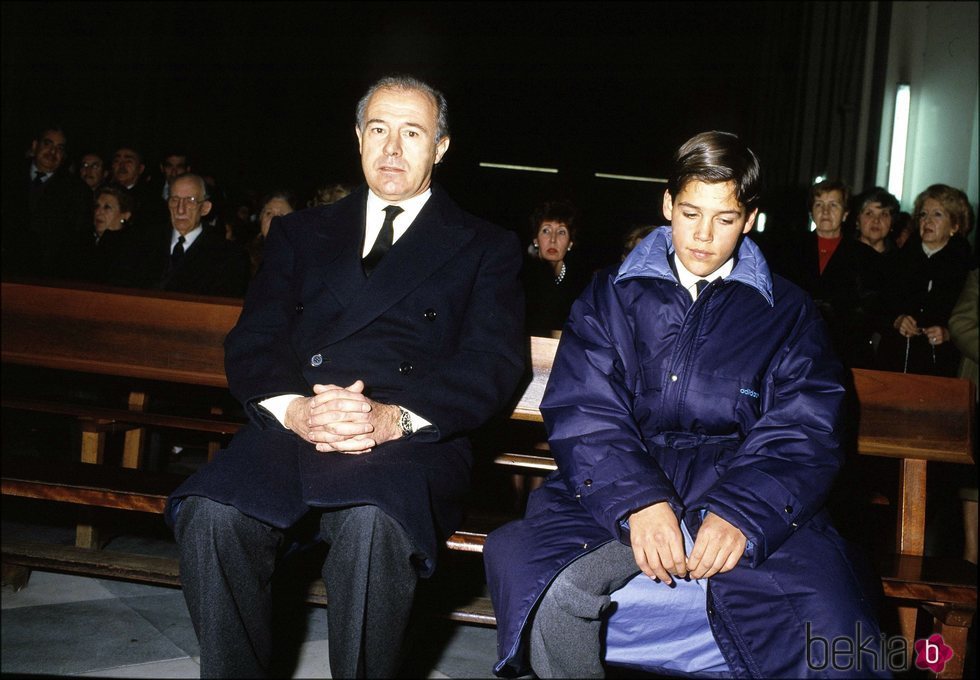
405, 368
673, 377
299, 307
316, 360
585, 546
588, 482
429, 314
788, 509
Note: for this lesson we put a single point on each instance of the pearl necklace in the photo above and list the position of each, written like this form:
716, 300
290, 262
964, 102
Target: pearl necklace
561, 275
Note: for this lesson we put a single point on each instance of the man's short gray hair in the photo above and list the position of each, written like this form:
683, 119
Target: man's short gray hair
197, 179
404, 82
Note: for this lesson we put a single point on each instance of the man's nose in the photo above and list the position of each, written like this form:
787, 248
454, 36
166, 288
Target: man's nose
393, 146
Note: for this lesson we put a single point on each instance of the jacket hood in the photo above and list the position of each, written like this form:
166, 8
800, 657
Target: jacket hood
649, 260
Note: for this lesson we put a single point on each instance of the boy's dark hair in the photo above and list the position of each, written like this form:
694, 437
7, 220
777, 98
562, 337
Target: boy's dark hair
713, 157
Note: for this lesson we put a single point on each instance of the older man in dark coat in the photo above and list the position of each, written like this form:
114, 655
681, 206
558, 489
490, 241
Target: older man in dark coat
379, 331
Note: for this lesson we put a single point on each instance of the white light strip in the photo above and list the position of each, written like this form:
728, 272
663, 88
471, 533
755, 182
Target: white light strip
900, 134
631, 178
760, 222
525, 168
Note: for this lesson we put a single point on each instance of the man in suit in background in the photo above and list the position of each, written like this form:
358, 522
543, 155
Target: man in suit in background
380, 330
173, 165
47, 211
186, 256
129, 173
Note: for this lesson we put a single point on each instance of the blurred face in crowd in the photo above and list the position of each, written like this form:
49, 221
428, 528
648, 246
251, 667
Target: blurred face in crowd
828, 213
398, 143
874, 223
187, 204
553, 241
273, 208
49, 151
174, 166
126, 167
706, 223
935, 225
92, 170
107, 215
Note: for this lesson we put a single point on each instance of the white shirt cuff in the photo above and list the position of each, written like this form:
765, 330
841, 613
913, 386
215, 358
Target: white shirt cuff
418, 422
277, 406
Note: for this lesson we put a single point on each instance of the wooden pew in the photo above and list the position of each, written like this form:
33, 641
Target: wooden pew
913, 419
141, 335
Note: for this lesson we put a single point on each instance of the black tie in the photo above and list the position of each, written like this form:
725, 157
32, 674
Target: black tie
37, 188
385, 238
700, 285
178, 252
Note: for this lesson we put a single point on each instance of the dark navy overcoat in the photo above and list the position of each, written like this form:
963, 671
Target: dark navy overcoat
437, 329
730, 405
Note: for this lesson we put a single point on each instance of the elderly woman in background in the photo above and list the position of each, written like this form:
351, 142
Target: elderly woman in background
824, 264
551, 280
928, 275
275, 204
111, 213
875, 209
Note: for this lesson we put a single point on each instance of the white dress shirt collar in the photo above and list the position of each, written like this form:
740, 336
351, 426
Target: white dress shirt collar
189, 237
689, 280
45, 176
376, 217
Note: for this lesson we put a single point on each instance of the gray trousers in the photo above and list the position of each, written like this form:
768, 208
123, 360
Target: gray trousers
227, 561
566, 632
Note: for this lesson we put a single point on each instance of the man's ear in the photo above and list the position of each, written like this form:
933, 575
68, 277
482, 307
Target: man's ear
442, 146
357, 131
668, 207
749, 223
205, 208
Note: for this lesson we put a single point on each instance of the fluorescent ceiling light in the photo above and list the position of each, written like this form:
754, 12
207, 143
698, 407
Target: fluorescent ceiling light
525, 168
900, 134
760, 222
631, 178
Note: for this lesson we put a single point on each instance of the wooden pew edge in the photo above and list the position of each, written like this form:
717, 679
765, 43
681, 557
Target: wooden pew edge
164, 571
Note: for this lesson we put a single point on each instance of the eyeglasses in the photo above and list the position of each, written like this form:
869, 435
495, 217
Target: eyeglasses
175, 201
93, 164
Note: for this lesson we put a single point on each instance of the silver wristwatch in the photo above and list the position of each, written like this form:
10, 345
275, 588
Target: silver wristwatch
405, 421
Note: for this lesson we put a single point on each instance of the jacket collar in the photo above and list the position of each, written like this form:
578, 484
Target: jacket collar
651, 260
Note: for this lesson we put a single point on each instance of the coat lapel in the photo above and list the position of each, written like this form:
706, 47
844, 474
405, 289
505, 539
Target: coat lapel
337, 249
436, 235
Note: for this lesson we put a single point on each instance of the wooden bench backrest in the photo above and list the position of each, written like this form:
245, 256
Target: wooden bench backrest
180, 338
163, 336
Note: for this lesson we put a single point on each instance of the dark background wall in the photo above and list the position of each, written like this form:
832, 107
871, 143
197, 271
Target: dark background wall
263, 93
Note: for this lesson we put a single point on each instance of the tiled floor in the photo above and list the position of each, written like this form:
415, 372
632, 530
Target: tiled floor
70, 625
